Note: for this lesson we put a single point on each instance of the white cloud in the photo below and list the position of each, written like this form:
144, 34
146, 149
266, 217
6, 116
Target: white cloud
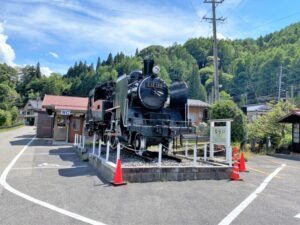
55, 55
7, 53
46, 71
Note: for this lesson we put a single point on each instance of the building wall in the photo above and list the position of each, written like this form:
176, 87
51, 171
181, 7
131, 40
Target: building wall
196, 114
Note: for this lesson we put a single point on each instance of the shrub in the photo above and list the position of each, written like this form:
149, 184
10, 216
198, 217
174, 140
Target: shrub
5, 118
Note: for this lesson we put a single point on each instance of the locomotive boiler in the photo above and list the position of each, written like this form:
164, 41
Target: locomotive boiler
139, 110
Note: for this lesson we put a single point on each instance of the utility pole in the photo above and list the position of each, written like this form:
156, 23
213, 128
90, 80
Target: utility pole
214, 20
292, 92
279, 84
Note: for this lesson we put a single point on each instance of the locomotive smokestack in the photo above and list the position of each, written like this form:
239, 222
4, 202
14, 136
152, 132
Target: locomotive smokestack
148, 66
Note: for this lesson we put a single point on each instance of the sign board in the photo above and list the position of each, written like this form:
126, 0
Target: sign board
65, 112
219, 135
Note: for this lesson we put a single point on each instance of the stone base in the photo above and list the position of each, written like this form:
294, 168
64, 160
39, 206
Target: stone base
152, 174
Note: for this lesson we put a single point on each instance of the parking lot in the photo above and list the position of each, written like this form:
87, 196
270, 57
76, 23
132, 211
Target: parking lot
49, 184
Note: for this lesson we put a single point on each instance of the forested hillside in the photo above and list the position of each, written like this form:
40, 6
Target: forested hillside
249, 70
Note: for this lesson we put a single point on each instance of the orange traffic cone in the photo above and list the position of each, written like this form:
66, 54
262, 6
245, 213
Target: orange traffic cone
242, 165
118, 179
235, 171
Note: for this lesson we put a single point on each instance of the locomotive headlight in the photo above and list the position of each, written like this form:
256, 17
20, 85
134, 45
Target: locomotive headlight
156, 69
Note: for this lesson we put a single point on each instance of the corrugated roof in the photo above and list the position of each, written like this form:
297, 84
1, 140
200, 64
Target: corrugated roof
253, 108
195, 102
65, 102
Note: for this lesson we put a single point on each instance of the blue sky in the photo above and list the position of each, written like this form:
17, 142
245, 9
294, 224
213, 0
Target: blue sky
59, 32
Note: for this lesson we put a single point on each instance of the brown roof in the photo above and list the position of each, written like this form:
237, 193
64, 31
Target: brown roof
291, 117
65, 102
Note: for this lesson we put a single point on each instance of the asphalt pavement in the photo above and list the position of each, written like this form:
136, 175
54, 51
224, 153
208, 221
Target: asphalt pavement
54, 174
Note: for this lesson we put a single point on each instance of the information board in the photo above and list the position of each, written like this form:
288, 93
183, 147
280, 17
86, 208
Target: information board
219, 135
65, 112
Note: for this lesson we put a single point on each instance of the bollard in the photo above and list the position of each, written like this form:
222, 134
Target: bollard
118, 152
229, 155
186, 148
83, 141
80, 139
195, 155
94, 144
107, 150
205, 152
99, 148
74, 140
159, 155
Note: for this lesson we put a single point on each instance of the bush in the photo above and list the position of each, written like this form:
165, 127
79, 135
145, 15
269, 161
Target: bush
14, 113
229, 110
5, 118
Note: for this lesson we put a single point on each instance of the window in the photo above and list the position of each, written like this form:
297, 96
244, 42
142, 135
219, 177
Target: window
76, 124
61, 122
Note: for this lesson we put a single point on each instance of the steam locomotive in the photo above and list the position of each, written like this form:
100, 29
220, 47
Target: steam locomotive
139, 110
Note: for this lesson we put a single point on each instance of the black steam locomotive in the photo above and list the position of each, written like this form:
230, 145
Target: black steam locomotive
139, 110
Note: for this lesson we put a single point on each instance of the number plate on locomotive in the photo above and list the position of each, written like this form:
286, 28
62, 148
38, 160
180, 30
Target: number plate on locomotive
154, 85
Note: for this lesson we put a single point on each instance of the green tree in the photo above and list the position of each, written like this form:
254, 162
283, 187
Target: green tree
267, 125
196, 89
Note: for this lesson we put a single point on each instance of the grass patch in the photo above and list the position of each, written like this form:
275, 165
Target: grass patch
11, 128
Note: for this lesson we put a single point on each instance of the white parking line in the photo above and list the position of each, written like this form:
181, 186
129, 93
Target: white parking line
243, 205
298, 216
47, 153
37, 201
48, 167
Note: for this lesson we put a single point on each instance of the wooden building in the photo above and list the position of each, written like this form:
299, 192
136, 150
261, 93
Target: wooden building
68, 114
30, 112
294, 118
197, 111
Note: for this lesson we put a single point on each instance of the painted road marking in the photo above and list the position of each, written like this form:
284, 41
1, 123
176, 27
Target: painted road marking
48, 167
37, 201
243, 205
298, 216
263, 172
46, 153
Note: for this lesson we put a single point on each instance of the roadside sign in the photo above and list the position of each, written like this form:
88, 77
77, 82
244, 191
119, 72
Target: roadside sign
65, 112
219, 135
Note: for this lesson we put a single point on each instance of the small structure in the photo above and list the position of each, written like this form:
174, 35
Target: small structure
197, 111
255, 111
294, 118
30, 112
221, 135
68, 116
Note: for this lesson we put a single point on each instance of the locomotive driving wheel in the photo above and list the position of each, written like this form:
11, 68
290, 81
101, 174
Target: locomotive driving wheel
139, 144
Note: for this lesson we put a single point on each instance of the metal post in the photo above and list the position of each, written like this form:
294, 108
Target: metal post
186, 148
118, 151
83, 142
107, 150
99, 148
195, 155
80, 140
211, 146
74, 140
228, 143
94, 144
205, 152
159, 155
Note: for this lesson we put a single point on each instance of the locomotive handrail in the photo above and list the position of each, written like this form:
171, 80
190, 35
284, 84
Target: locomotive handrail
112, 109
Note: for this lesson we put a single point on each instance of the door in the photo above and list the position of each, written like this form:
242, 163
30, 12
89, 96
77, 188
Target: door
44, 125
76, 124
